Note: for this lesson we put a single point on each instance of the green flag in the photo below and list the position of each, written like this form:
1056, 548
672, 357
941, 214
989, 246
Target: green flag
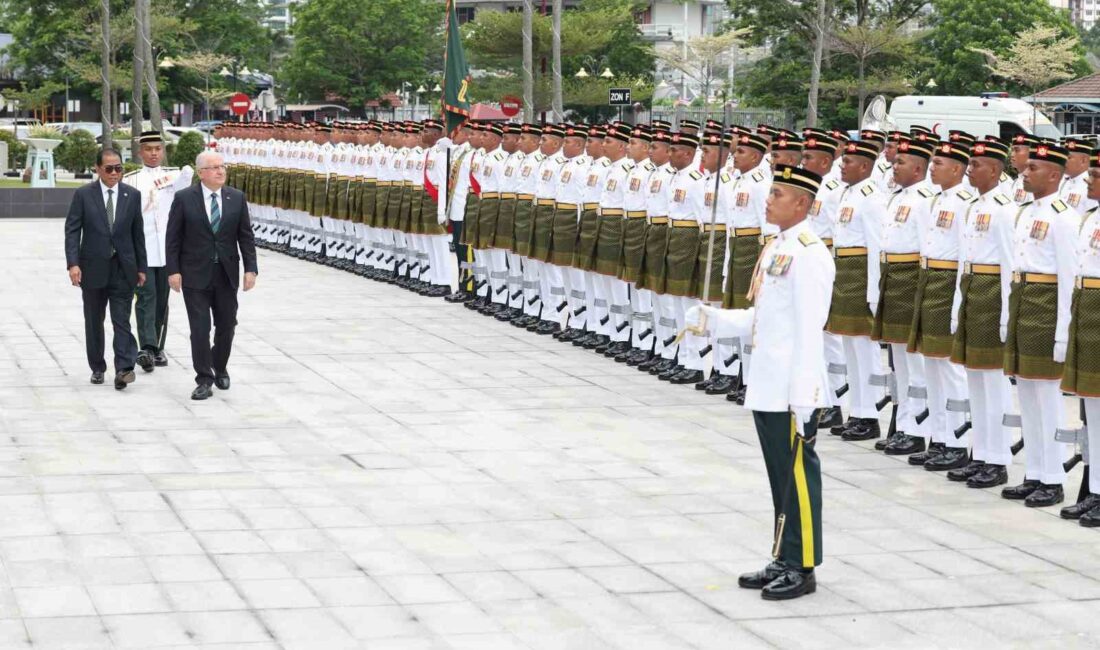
456, 76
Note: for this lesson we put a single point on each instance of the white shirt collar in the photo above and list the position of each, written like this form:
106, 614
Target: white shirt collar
206, 192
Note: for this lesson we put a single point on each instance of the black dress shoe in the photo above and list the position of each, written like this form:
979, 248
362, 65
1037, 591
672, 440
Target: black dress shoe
202, 391
621, 357
792, 584
934, 450
438, 291
547, 327
662, 366
737, 395
839, 429
535, 324
867, 429
722, 385
830, 417
639, 357
508, 314
124, 378
159, 360
672, 371
904, 444
963, 473
1090, 519
1045, 495
617, 348
1021, 491
760, 579
951, 458
1077, 510
97, 378
569, 333
585, 339
603, 346
686, 376
222, 382
457, 296
650, 363
988, 476
705, 384
596, 341
880, 445
145, 360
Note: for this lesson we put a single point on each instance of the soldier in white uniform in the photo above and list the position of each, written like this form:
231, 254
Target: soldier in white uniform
653, 260
635, 202
789, 381
1021, 149
1075, 185
158, 186
588, 305
553, 138
1044, 268
463, 153
609, 245
1081, 374
531, 142
981, 325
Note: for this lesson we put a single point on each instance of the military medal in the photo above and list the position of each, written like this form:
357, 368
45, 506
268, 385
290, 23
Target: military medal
815, 209
678, 196
981, 222
846, 215
635, 184
742, 199
902, 215
945, 219
611, 185
1094, 241
707, 198
1039, 230
780, 265
591, 180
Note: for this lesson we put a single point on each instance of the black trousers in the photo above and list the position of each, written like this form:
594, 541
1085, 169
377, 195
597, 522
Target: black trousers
152, 310
794, 473
119, 293
465, 276
220, 300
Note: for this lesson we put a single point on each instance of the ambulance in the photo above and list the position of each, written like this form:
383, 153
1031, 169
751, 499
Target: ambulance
993, 113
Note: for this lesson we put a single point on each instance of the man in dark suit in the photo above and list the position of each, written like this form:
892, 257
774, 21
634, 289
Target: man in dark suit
207, 226
105, 254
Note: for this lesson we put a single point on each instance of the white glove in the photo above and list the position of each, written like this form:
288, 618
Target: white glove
954, 325
694, 317
1060, 351
1004, 333
873, 306
802, 417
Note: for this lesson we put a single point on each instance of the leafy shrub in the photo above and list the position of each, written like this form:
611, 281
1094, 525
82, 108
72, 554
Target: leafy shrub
77, 151
17, 150
190, 145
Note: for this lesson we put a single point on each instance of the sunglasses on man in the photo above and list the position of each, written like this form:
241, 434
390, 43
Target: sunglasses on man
112, 169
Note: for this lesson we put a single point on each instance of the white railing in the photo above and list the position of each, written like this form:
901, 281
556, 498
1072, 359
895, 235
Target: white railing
662, 31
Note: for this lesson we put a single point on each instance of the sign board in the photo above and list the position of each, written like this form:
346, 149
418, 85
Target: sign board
239, 104
510, 105
618, 96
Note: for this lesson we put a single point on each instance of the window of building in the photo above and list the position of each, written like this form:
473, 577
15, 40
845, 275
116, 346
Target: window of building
465, 14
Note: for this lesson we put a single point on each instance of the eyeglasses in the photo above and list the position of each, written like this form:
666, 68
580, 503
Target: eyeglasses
214, 168
112, 169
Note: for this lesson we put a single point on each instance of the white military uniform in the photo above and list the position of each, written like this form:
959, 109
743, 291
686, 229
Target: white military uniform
1075, 192
687, 202
822, 218
1088, 266
546, 188
616, 291
525, 187
635, 199
570, 189
586, 290
495, 262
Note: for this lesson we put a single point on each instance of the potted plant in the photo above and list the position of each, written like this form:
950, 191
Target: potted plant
77, 153
41, 139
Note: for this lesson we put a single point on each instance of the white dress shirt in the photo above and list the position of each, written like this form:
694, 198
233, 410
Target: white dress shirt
206, 194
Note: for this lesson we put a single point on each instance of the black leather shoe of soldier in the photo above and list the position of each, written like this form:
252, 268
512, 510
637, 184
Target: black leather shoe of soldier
535, 325
649, 364
706, 383
596, 341
662, 366
792, 584
1090, 519
850, 423
671, 372
867, 429
988, 476
1021, 491
617, 348
933, 451
904, 444
760, 579
457, 296
721, 386
830, 417
1081, 507
951, 458
737, 395
686, 376
961, 474
571, 334
583, 341
1045, 495
624, 355
547, 327
603, 346
638, 357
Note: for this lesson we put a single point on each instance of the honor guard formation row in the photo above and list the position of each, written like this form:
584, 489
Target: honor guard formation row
973, 263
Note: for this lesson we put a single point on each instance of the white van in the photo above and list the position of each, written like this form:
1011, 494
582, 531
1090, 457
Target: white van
991, 114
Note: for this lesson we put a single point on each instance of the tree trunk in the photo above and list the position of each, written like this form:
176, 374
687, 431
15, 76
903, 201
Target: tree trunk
862, 91
555, 65
105, 70
151, 70
528, 62
136, 114
815, 68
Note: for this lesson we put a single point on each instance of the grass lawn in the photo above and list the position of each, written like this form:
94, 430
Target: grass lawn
6, 182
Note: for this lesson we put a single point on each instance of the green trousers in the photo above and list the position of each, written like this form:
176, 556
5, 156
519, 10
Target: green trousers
800, 545
152, 309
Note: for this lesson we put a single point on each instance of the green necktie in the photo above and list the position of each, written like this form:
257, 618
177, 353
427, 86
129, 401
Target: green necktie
215, 213
110, 210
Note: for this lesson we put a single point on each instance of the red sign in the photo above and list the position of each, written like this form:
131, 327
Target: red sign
510, 105
240, 104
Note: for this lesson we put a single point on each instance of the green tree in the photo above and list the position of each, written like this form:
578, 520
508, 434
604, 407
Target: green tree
188, 148
77, 151
958, 28
359, 50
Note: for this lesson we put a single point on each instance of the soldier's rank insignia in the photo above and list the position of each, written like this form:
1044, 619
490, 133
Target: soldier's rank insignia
846, 214
981, 222
945, 219
742, 199
678, 196
1039, 230
902, 215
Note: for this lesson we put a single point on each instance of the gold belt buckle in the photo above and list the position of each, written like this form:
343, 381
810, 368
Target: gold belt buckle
1079, 282
924, 263
882, 257
1017, 276
968, 267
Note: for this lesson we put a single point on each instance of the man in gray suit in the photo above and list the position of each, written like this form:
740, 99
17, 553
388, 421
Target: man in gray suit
105, 255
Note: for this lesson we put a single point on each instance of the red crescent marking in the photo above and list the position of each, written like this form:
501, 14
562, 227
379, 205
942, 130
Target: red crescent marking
935, 128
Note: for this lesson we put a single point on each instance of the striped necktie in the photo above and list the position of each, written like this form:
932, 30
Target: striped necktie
215, 213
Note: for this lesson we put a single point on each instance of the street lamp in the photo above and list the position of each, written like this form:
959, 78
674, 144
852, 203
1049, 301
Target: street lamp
166, 63
581, 74
606, 74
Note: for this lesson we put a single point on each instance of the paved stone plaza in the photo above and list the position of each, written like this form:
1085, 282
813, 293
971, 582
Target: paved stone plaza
390, 471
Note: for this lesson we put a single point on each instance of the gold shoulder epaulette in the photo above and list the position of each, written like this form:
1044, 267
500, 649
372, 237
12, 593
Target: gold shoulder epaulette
832, 185
695, 175
808, 238
1059, 207
648, 166
725, 177
605, 162
965, 196
1001, 199
926, 193
757, 176
867, 190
